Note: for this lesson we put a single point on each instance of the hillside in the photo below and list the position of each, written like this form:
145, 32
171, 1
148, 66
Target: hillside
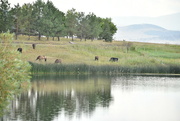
147, 33
76, 56
85, 51
170, 22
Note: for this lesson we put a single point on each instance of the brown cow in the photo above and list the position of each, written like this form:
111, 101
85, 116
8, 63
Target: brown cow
58, 61
41, 58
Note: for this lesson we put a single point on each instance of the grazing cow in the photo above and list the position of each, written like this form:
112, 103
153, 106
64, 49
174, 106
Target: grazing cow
20, 50
41, 58
34, 46
113, 59
96, 58
58, 61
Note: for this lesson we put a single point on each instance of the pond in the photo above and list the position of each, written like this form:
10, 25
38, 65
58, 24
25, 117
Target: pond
98, 98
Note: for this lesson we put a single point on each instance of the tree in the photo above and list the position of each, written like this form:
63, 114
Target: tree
27, 19
71, 22
42, 18
58, 24
5, 16
95, 25
83, 26
46, 21
109, 29
16, 12
38, 17
52, 20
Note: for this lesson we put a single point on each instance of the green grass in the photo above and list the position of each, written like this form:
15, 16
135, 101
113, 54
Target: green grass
141, 57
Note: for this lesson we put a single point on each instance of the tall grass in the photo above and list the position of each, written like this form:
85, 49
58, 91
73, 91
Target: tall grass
101, 69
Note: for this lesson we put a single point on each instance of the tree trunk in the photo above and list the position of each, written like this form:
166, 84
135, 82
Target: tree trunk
58, 38
92, 39
16, 31
16, 36
29, 35
81, 37
39, 36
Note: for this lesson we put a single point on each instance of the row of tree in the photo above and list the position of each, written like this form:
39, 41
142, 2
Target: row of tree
40, 18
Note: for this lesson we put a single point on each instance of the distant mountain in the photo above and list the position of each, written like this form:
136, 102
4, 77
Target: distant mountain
147, 33
170, 22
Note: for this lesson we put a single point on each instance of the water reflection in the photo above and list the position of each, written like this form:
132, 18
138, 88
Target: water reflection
145, 98
147, 83
96, 98
52, 95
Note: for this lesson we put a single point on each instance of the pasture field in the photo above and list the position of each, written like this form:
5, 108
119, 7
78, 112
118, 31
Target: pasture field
132, 55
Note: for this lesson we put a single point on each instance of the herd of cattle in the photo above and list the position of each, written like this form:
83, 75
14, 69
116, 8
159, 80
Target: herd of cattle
113, 59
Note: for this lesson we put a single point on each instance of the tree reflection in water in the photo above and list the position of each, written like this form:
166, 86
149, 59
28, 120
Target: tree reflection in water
51, 96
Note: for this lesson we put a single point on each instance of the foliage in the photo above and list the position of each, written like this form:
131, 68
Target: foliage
83, 26
17, 21
38, 26
5, 16
109, 29
27, 19
44, 19
95, 26
71, 22
14, 72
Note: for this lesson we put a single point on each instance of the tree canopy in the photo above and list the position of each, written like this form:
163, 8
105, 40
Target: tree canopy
43, 18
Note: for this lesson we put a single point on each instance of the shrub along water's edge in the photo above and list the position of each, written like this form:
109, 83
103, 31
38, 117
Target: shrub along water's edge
102, 69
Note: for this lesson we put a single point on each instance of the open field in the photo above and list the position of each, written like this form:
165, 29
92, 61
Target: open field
130, 54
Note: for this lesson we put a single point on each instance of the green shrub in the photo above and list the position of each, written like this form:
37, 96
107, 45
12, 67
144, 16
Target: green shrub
14, 72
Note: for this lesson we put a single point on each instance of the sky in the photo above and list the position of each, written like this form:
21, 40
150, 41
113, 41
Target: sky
115, 8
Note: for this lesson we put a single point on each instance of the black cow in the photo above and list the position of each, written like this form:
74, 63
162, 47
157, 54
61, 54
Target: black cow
20, 50
96, 58
113, 59
34, 46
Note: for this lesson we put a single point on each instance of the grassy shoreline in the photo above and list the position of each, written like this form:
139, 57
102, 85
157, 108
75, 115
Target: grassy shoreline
134, 57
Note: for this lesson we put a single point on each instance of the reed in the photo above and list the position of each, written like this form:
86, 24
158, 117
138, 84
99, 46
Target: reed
101, 69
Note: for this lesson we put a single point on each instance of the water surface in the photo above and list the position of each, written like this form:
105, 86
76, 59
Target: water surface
96, 98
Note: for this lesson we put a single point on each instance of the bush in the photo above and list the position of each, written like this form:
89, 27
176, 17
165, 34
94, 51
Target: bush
14, 72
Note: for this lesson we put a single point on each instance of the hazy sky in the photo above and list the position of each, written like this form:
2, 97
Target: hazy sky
112, 8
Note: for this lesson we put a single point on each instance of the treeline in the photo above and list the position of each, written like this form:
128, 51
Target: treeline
40, 18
